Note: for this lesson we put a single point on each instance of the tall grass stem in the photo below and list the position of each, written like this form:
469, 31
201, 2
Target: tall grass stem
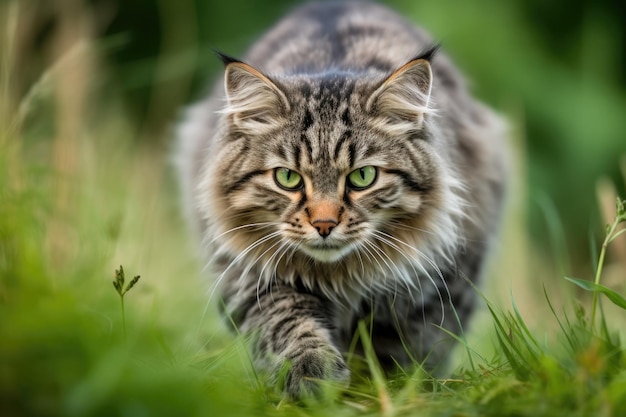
610, 236
123, 317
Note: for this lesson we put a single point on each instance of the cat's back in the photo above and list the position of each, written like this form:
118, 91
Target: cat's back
354, 36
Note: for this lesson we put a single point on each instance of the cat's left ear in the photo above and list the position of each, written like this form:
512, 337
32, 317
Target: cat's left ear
402, 100
256, 104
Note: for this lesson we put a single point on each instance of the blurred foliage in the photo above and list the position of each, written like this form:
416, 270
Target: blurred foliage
556, 69
89, 92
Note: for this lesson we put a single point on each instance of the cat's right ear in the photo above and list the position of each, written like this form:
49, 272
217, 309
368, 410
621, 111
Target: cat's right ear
255, 104
400, 103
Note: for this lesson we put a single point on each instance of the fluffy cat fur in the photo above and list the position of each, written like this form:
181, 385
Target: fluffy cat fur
335, 87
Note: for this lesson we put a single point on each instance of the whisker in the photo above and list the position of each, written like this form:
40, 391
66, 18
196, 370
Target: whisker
261, 225
433, 265
250, 247
358, 254
411, 262
383, 257
419, 252
207, 244
261, 277
283, 250
370, 255
399, 225
405, 278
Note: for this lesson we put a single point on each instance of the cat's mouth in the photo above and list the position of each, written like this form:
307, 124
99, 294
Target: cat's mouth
326, 252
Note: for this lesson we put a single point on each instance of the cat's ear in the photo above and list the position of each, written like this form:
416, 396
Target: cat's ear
255, 103
401, 101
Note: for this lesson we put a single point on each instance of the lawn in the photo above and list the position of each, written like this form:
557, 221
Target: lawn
86, 191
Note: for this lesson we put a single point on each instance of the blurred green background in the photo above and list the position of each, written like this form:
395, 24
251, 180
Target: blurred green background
555, 69
90, 91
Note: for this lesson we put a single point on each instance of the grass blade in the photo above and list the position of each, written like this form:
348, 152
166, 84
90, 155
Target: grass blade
569, 335
386, 406
512, 353
613, 296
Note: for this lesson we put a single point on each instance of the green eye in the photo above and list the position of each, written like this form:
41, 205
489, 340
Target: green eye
362, 178
287, 179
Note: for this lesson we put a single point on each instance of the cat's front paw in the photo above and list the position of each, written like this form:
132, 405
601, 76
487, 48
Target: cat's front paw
308, 370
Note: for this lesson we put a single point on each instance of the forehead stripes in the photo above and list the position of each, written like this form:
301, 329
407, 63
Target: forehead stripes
325, 120
328, 98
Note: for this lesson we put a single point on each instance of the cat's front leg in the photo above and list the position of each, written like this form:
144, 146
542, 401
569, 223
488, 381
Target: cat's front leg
291, 337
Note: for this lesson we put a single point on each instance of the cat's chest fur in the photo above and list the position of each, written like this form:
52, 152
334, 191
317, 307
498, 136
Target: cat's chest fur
342, 172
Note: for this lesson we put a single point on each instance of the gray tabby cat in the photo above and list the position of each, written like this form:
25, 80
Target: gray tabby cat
340, 175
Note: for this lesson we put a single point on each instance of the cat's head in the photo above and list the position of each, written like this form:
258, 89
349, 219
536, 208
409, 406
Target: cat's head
334, 168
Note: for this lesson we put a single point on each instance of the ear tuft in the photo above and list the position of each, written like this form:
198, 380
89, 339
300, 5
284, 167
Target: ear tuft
255, 103
428, 54
226, 59
400, 103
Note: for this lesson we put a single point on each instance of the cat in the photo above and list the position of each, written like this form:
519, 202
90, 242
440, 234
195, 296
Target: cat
339, 173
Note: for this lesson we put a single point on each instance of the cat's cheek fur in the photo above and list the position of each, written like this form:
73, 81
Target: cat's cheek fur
411, 203
258, 193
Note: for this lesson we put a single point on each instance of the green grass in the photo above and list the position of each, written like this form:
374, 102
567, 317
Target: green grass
80, 195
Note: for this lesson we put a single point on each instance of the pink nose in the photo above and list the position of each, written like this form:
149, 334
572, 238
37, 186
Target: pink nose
325, 226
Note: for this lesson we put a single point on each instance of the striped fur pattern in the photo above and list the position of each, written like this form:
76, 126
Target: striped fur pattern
299, 248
